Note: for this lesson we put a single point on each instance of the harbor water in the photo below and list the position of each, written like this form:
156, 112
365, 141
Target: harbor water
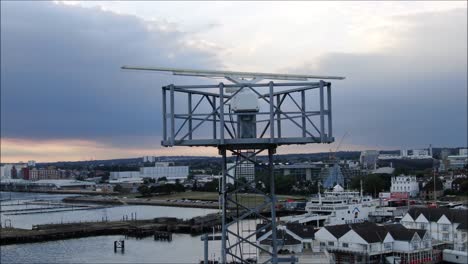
183, 248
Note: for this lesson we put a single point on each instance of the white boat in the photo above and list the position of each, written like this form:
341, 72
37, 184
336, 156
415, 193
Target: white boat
335, 208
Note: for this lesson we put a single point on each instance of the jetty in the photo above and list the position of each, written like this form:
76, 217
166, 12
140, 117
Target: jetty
161, 228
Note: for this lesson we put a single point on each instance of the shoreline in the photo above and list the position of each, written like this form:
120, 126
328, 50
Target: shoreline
82, 192
137, 201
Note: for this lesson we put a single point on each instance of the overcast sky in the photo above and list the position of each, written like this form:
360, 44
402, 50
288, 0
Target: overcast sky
63, 96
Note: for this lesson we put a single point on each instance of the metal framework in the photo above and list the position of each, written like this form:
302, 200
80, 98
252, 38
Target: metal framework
305, 125
201, 115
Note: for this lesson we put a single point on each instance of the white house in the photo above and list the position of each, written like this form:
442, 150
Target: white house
449, 226
405, 184
371, 243
294, 241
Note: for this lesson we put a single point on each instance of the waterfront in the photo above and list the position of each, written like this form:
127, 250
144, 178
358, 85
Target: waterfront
182, 249
100, 249
109, 213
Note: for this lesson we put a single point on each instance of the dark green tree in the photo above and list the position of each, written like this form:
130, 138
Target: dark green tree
118, 188
144, 190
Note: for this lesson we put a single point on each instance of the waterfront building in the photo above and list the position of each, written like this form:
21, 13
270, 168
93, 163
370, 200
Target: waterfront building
446, 226
371, 243
405, 184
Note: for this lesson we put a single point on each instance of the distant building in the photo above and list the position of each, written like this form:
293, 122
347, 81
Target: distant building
171, 173
403, 184
48, 174
409, 154
43, 185
244, 170
463, 152
456, 184
448, 184
458, 161
301, 171
428, 193
384, 170
149, 158
444, 153
11, 171
368, 159
114, 175
332, 176
32, 163
25, 173
161, 169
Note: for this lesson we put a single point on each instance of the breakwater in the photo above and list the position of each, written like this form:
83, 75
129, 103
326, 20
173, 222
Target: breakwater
129, 227
110, 200
135, 228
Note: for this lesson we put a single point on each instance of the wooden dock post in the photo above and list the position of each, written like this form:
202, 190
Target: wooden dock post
119, 244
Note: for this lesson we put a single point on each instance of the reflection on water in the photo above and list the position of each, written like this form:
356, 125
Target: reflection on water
182, 249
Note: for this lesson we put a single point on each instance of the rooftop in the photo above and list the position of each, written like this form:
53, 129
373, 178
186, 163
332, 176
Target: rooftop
373, 233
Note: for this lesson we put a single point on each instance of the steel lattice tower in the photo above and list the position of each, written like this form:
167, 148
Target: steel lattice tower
246, 118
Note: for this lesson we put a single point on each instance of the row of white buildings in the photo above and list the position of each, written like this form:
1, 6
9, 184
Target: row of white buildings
422, 235
449, 226
350, 243
160, 170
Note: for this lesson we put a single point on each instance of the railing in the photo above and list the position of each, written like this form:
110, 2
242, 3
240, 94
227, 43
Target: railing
283, 104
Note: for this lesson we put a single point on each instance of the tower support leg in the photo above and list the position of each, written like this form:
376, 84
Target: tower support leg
237, 211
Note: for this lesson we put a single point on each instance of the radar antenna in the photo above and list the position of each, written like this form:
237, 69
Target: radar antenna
246, 117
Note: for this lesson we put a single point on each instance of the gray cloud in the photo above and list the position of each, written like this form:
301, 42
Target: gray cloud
411, 94
61, 78
61, 74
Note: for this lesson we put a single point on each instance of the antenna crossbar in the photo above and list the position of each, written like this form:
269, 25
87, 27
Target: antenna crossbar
234, 75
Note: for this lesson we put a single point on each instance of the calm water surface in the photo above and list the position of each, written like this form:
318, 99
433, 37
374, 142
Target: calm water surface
182, 249
110, 213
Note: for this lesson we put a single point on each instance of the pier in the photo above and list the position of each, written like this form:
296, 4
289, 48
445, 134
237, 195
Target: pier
160, 228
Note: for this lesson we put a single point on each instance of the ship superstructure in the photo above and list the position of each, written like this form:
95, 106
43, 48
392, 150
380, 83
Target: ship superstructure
336, 207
